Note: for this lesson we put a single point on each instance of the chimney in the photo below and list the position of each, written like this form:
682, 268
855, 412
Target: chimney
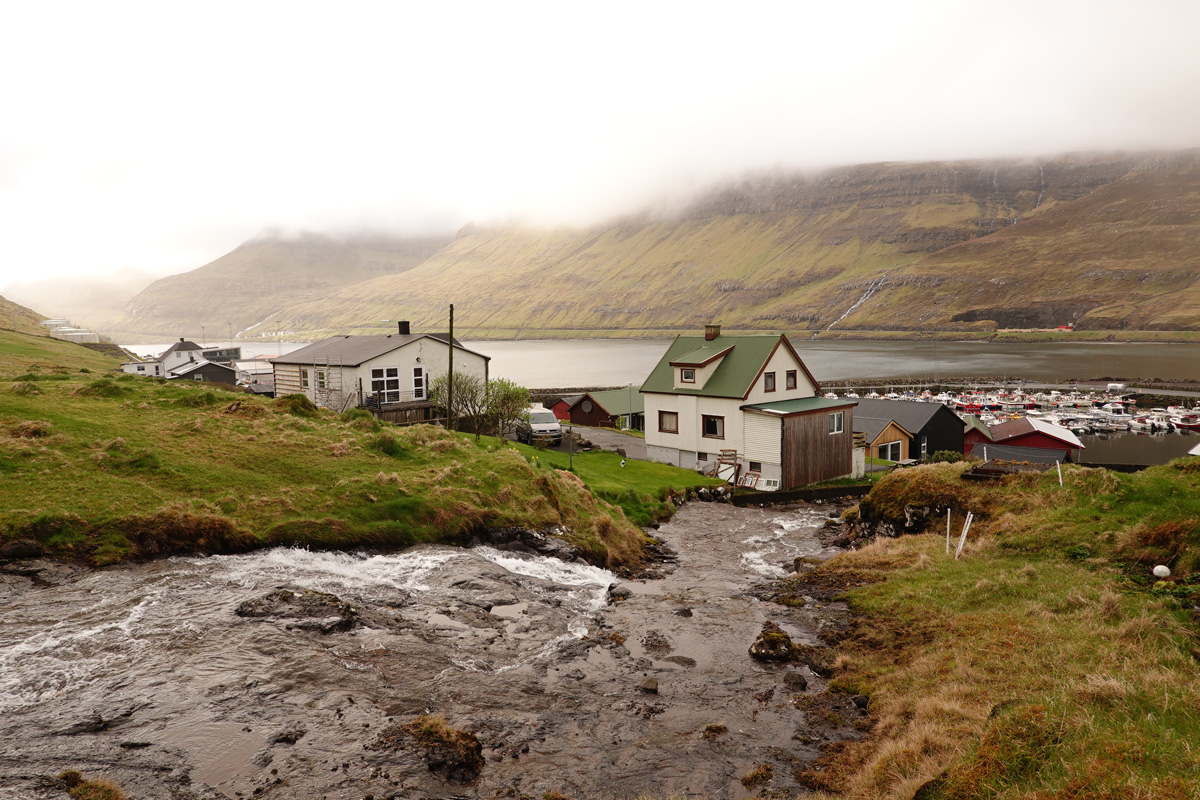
181, 338
403, 326
711, 332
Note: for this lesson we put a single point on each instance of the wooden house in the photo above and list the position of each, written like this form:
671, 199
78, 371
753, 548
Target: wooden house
750, 401
932, 426
614, 408
205, 371
1022, 439
885, 438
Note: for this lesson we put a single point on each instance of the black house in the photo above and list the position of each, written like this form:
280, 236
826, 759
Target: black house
934, 427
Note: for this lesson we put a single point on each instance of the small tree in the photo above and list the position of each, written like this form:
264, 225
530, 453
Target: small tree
506, 404
470, 398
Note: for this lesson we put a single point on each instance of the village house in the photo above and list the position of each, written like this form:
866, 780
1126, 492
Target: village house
931, 426
1024, 439
748, 401
884, 437
387, 373
183, 360
613, 408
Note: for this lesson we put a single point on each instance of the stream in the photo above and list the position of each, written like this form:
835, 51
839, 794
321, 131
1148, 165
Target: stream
183, 678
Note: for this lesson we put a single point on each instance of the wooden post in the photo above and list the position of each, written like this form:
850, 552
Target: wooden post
963, 539
450, 415
1059, 467
947, 531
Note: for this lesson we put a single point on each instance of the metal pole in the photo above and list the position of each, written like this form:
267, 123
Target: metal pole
570, 449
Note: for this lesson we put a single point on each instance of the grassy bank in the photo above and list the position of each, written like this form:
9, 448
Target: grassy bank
103, 468
1047, 662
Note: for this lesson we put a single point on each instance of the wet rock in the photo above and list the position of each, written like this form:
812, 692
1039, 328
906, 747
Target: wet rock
649, 686
794, 681
861, 700
303, 609
818, 659
683, 612
619, 592
772, 644
19, 549
454, 755
289, 736
547, 542
100, 721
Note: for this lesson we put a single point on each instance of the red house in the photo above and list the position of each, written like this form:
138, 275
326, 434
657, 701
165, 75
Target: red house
1022, 438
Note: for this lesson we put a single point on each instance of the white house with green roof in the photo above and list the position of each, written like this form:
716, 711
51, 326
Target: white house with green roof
754, 396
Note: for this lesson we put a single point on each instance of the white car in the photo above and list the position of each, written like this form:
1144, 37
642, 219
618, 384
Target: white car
539, 423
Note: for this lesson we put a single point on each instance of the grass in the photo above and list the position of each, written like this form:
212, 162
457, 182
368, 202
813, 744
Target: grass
105, 469
643, 489
1027, 669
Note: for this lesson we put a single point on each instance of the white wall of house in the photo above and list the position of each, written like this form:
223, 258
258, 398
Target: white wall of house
333, 385
748, 433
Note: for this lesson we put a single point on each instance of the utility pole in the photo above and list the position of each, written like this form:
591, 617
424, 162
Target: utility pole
450, 415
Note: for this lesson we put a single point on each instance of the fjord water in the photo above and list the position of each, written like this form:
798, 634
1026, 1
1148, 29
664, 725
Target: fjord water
144, 674
546, 364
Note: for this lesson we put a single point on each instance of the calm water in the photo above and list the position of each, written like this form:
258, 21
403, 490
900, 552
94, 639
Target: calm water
617, 362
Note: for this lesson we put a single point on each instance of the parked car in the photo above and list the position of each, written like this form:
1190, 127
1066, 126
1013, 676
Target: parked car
539, 424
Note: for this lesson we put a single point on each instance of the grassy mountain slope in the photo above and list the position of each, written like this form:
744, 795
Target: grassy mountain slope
250, 284
19, 318
87, 301
886, 246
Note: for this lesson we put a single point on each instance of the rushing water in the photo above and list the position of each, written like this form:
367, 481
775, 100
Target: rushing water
145, 674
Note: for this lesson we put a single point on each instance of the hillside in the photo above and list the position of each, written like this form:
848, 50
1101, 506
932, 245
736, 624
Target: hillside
19, 318
91, 302
1108, 241
252, 283
1091, 239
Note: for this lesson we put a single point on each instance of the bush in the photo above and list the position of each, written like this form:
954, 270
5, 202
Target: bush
944, 457
386, 442
360, 419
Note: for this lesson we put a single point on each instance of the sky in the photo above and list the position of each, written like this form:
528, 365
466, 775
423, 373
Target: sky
158, 136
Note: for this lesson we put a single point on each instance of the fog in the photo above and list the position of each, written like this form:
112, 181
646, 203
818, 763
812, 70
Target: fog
158, 136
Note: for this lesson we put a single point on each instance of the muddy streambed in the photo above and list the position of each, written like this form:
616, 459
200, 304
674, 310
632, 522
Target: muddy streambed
148, 675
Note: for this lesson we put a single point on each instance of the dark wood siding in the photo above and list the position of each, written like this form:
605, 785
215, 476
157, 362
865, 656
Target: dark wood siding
811, 453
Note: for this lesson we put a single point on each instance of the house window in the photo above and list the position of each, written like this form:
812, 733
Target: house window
924, 445
769, 382
889, 451
198, 377
790, 379
141, 368
321, 379
756, 466
702, 456
836, 421
418, 383
687, 376
157, 369
303, 379
712, 427
668, 422
385, 384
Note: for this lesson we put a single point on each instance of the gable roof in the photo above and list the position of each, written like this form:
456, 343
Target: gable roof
350, 351
974, 423
912, 415
182, 346
192, 366
874, 426
745, 358
616, 401
1028, 425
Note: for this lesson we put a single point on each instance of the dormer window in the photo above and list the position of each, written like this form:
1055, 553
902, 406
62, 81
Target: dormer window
687, 375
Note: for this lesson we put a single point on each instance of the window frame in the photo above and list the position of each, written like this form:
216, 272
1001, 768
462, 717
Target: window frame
303, 378
837, 422
790, 379
685, 372
768, 381
719, 426
755, 466
662, 419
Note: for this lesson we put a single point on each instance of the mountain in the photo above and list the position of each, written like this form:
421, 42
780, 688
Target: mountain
253, 282
1105, 241
21, 319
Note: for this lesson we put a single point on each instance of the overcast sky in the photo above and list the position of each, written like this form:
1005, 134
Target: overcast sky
160, 135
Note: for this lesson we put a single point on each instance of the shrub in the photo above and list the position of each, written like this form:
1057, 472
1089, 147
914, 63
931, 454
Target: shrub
25, 388
944, 457
360, 419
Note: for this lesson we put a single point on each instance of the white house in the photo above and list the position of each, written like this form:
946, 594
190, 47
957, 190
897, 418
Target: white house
178, 355
751, 395
374, 371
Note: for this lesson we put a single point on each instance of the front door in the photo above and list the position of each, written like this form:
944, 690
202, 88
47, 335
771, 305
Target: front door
418, 383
